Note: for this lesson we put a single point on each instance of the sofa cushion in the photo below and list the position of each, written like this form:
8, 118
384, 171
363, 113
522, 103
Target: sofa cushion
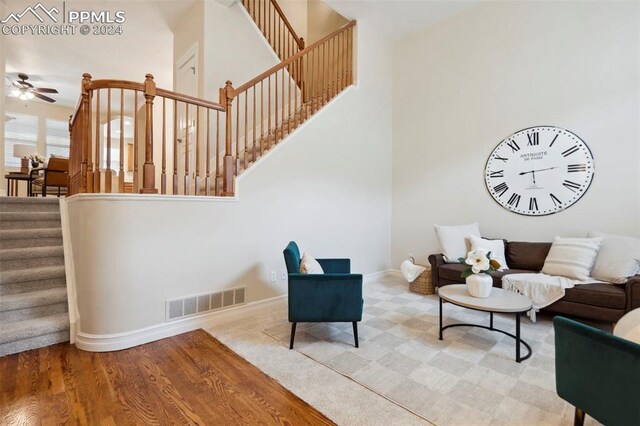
525, 255
572, 257
495, 247
605, 295
618, 258
453, 240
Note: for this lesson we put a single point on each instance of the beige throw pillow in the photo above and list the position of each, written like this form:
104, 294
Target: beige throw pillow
453, 240
571, 257
496, 247
308, 265
618, 258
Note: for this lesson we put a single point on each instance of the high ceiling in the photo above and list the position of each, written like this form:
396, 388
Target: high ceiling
146, 46
147, 43
398, 19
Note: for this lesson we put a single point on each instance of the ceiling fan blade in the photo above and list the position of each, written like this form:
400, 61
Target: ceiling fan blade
43, 97
44, 90
25, 84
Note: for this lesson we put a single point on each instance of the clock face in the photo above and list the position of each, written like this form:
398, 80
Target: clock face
539, 171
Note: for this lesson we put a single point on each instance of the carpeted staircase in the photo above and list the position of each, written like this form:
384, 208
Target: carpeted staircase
33, 290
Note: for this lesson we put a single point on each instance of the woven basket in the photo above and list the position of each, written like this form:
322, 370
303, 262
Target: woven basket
423, 283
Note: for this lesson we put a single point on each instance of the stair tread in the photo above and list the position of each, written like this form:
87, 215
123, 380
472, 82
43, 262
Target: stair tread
21, 234
31, 252
31, 274
10, 302
33, 216
26, 329
29, 200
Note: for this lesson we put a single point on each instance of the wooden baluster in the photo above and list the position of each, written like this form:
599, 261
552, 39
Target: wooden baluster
275, 121
323, 81
197, 143
107, 175
289, 106
301, 83
312, 82
136, 144
186, 149
207, 181
175, 147
296, 112
261, 117
149, 168
163, 174
217, 188
282, 71
87, 135
246, 131
343, 60
237, 127
228, 166
269, 116
96, 174
121, 168
254, 124
351, 40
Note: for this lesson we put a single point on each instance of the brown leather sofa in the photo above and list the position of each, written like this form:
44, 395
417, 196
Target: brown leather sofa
600, 302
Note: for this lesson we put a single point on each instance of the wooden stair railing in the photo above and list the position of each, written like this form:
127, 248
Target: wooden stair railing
273, 104
275, 27
191, 125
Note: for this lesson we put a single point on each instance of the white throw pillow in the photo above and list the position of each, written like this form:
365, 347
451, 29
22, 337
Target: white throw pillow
308, 265
571, 257
617, 259
453, 240
496, 247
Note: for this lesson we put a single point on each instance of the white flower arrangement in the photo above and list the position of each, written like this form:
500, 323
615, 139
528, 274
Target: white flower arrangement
478, 261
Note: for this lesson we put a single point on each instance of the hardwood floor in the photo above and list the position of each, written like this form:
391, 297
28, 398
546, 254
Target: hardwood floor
187, 379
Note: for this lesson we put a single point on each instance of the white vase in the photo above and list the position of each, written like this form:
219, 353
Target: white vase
479, 285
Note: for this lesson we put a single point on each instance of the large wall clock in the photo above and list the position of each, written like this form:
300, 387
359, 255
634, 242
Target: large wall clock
539, 171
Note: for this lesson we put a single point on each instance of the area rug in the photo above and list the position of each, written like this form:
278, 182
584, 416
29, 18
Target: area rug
470, 377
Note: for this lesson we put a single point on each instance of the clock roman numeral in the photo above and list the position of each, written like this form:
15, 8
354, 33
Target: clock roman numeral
553, 141
533, 203
497, 174
501, 189
570, 151
497, 157
514, 200
556, 201
534, 139
513, 145
571, 185
572, 168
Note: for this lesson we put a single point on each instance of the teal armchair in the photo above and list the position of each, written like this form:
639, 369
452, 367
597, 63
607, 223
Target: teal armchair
598, 373
335, 296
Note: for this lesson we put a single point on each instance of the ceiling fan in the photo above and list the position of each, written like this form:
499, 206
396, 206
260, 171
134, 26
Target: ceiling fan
25, 91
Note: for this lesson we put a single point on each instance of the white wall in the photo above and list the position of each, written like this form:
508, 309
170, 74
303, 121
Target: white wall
328, 187
233, 49
463, 85
3, 190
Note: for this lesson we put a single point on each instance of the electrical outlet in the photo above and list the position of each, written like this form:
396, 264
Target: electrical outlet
273, 276
283, 274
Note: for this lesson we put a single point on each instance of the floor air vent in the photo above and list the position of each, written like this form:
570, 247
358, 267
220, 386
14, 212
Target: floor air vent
203, 303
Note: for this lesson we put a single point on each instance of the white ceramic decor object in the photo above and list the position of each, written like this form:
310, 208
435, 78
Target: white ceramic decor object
479, 285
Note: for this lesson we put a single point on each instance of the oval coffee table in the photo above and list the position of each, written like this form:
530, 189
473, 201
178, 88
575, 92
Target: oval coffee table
628, 327
499, 301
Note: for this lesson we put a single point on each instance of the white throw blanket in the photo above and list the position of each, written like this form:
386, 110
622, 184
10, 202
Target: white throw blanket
540, 288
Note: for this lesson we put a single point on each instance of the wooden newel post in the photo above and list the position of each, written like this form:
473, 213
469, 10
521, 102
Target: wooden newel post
149, 169
84, 139
228, 166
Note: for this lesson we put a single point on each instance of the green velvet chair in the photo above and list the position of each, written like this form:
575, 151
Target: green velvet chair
598, 373
335, 296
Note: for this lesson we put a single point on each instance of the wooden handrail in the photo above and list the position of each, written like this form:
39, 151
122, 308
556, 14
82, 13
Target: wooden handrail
193, 134
287, 24
291, 59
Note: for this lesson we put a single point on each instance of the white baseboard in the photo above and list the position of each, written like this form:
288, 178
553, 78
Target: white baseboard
113, 342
